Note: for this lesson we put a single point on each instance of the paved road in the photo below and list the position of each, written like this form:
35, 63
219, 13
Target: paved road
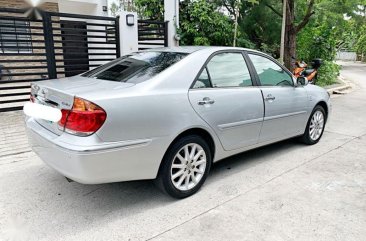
286, 191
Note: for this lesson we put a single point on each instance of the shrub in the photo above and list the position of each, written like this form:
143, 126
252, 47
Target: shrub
319, 42
328, 73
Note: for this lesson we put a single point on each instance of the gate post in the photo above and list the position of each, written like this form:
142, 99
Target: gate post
49, 45
128, 32
171, 15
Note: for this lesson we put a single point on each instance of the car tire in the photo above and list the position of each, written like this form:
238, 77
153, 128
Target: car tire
315, 126
180, 175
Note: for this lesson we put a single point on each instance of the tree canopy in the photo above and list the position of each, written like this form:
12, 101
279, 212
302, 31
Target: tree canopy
314, 28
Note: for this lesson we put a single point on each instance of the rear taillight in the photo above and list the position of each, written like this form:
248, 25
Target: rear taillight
83, 119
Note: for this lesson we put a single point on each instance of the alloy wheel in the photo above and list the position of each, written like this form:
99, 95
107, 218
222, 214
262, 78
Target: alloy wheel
316, 125
188, 167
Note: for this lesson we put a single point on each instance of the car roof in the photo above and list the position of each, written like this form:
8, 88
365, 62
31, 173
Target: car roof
191, 49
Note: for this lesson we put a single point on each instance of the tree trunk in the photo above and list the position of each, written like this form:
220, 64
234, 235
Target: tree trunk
291, 30
235, 29
290, 36
289, 57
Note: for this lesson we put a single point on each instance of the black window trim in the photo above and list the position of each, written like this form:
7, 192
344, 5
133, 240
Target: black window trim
257, 79
209, 78
249, 66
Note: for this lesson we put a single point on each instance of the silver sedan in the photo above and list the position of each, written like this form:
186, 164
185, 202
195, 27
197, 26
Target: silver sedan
168, 114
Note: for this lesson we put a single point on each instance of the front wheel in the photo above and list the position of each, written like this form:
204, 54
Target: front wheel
185, 167
315, 127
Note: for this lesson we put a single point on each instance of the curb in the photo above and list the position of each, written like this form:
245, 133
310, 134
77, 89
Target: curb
338, 90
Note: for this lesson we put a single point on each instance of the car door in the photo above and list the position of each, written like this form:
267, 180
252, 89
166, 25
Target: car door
285, 104
223, 95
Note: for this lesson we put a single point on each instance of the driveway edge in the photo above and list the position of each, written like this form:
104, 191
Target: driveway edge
345, 85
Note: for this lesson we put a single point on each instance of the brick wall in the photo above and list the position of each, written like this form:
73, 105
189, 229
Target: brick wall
52, 7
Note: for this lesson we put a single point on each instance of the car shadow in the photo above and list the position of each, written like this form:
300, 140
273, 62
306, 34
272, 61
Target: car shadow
52, 195
133, 192
252, 157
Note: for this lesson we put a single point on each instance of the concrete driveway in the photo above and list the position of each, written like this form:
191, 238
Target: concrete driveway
286, 191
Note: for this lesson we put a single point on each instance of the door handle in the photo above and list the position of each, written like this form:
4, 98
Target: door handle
270, 98
206, 101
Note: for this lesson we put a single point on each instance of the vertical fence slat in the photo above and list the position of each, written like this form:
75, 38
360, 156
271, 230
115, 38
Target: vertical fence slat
49, 45
166, 24
117, 37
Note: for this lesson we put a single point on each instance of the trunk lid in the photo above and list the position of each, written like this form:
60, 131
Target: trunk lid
59, 93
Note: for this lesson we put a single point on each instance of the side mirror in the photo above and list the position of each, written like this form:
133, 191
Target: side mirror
302, 81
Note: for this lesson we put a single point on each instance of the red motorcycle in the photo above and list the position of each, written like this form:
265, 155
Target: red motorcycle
311, 74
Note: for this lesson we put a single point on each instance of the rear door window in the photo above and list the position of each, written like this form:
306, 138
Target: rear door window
203, 81
225, 70
229, 70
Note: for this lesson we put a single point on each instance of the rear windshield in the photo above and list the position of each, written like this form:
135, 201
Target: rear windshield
135, 68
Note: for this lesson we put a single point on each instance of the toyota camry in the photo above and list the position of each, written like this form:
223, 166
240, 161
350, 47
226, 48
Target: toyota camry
168, 114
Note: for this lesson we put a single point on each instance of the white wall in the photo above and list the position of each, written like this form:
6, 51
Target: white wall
91, 7
128, 34
345, 55
171, 14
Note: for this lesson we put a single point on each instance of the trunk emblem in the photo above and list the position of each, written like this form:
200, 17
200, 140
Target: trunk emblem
65, 104
44, 91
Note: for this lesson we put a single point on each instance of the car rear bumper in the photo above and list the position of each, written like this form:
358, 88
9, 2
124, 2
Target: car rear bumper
110, 163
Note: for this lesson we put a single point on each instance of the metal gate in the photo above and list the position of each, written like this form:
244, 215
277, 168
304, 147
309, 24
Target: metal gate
152, 34
58, 45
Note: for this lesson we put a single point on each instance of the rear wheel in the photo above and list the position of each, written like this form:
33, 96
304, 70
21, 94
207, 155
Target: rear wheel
185, 167
315, 127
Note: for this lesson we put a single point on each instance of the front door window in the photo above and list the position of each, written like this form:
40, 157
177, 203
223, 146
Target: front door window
270, 73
